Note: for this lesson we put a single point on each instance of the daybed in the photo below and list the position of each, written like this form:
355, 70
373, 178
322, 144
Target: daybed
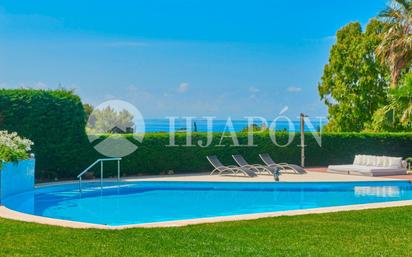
369, 165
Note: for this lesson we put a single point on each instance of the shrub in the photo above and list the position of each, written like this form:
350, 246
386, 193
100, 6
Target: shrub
409, 162
54, 121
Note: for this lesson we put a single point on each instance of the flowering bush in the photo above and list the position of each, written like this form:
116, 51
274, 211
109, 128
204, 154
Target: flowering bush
13, 147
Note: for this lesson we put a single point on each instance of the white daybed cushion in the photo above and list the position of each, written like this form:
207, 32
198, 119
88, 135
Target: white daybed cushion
381, 161
371, 160
346, 168
385, 160
395, 162
367, 170
363, 160
358, 160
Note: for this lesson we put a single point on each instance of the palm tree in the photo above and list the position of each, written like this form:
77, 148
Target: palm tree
395, 49
403, 96
397, 115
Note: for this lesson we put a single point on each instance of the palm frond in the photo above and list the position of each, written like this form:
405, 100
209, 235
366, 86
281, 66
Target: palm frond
395, 49
406, 118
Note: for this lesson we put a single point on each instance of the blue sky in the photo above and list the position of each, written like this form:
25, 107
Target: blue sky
219, 58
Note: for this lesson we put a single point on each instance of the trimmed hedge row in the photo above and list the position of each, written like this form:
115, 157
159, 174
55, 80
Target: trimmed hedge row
154, 157
54, 121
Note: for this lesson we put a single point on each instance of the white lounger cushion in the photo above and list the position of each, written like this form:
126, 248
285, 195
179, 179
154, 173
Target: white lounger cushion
372, 166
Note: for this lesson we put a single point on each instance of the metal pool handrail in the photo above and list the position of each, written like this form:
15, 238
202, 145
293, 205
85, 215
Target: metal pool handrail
101, 170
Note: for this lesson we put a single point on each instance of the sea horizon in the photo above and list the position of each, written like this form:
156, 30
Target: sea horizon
219, 125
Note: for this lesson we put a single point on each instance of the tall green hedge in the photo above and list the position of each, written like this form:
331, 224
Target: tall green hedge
54, 121
154, 157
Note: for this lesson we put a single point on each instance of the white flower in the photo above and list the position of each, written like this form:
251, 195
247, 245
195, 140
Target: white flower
14, 142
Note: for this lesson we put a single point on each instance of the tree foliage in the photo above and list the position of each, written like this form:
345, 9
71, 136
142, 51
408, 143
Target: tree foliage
106, 119
395, 50
88, 109
354, 84
397, 114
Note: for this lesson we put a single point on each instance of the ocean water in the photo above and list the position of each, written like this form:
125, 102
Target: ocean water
200, 125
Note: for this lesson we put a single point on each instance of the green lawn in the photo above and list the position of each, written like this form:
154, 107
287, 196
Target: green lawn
383, 232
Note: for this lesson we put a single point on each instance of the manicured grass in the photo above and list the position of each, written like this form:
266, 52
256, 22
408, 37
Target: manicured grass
382, 232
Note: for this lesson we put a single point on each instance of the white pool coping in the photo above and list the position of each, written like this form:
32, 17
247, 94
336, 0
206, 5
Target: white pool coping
14, 215
310, 177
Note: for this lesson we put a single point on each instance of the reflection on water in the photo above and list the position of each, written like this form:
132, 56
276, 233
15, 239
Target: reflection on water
384, 191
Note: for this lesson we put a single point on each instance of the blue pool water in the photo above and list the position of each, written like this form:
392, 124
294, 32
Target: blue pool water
143, 202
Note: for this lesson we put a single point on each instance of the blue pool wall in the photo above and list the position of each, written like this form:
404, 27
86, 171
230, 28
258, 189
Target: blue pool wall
16, 178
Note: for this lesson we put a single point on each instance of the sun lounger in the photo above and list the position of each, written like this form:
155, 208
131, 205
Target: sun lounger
221, 169
258, 168
283, 166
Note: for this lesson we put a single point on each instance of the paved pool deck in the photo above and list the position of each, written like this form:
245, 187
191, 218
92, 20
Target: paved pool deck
313, 175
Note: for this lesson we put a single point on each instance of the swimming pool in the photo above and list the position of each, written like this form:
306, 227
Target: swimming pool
129, 203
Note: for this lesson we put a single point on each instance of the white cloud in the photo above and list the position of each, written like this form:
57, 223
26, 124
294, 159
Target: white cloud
31, 85
294, 89
138, 93
40, 85
330, 38
183, 87
109, 97
254, 90
132, 89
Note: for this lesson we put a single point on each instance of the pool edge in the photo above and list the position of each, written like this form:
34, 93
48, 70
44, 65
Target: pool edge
19, 216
